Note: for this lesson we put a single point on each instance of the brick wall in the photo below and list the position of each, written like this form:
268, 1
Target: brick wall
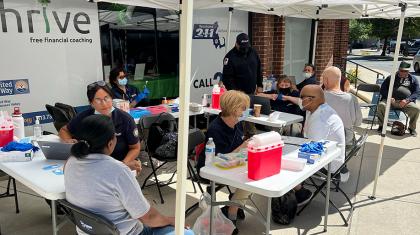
268, 39
324, 46
341, 42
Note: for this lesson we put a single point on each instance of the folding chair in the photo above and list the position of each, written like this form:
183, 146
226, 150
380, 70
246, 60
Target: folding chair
195, 137
11, 180
335, 180
371, 88
87, 221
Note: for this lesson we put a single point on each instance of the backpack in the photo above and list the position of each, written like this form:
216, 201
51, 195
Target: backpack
398, 128
283, 209
163, 133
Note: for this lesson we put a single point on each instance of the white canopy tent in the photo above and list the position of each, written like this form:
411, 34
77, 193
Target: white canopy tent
313, 9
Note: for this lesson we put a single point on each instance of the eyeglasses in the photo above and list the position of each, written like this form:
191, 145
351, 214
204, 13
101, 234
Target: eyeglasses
106, 99
95, 84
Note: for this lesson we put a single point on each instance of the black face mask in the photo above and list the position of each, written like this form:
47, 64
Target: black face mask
243, 50
284, 90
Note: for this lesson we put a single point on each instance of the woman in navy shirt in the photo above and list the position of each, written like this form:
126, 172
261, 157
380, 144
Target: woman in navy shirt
121, 90
127, 148
227, 134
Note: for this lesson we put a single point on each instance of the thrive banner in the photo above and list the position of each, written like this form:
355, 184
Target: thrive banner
50, 51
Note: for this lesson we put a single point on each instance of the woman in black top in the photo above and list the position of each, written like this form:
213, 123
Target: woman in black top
127, 148
285, 97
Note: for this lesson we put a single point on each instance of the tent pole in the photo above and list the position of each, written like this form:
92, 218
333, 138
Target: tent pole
156, 42
185, 41
227, 46
388, 100
314, 42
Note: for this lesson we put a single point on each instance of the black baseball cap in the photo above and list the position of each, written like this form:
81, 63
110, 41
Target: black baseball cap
404, 66
242, 40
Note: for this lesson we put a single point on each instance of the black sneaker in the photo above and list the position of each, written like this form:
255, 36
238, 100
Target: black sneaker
303, 196
225, 213
412, 132
379, 129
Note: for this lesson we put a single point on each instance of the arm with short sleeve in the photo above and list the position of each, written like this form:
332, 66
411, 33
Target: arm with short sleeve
132, 137
130, 195
357, 121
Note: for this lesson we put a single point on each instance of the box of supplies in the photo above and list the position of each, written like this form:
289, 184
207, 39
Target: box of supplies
16, 156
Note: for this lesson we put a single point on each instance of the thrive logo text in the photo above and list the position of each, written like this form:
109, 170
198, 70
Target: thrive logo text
80, 20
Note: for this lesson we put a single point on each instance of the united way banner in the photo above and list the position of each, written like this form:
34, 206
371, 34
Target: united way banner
50, 51
209, 44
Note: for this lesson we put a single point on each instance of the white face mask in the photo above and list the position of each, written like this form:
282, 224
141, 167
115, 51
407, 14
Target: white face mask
244, 115
112, 109
300, 104
307, 75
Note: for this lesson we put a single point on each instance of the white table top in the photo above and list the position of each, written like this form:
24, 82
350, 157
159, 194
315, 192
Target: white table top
44, 182
283, 120
273, 186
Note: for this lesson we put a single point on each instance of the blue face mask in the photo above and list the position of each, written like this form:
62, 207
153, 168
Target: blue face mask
112, 109
123, 81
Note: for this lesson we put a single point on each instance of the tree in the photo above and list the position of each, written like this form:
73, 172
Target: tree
359, 30
386, 29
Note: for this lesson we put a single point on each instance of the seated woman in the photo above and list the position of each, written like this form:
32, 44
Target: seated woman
226, 131
121, 90
285, 98
100, 98
97, 182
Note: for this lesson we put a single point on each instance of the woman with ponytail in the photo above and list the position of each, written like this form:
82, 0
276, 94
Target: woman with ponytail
105, 186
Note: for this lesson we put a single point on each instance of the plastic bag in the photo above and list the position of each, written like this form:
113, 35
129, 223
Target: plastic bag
221, 224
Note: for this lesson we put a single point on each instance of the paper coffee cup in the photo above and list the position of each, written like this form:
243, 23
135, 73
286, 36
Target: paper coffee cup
257, 110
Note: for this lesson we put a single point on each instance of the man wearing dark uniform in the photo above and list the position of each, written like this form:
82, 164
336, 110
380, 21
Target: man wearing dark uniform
242, 67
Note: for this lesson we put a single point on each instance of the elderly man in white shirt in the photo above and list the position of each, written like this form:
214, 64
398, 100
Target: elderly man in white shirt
345, 104
322, 122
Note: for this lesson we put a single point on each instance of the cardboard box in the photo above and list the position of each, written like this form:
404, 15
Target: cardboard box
16, 156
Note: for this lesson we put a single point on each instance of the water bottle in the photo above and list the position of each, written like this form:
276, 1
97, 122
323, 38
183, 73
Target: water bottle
37, 128
204, 101
18, 123
210, 151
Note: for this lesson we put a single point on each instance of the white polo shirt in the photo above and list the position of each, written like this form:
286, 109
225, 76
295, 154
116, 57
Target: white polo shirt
325, 124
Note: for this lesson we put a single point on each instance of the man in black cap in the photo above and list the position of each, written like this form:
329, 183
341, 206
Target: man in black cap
242, 67
404, 96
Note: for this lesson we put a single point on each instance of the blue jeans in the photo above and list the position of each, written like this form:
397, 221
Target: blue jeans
168, 230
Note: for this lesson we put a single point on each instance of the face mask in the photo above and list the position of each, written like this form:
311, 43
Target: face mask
284, 90
307, 75
243, 50
123, 81
243, 116
112, 109
301, 106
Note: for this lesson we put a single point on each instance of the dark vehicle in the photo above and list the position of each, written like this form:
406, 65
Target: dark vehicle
391, 47
413, 47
